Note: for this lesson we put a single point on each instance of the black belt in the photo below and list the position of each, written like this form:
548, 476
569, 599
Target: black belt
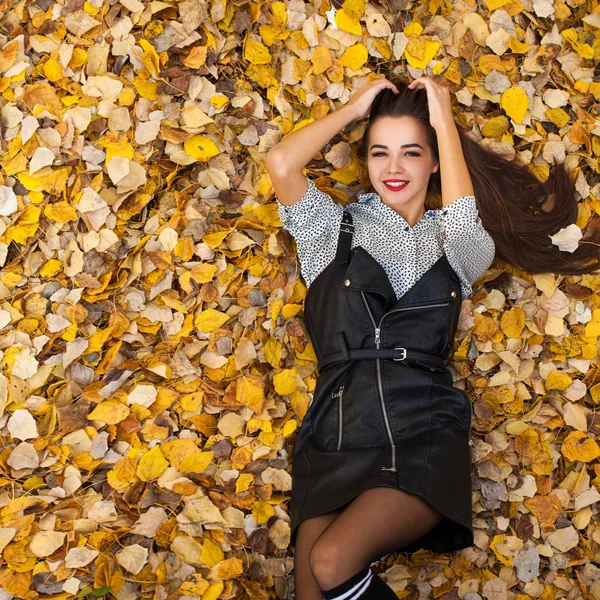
431, 360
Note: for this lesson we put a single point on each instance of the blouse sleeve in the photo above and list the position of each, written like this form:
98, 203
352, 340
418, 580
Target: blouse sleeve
313, 217
314, 222
468, 246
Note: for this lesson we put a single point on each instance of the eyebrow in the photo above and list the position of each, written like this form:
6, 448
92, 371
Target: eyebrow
403, 146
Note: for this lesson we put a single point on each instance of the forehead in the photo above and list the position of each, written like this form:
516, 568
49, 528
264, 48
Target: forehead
397, 130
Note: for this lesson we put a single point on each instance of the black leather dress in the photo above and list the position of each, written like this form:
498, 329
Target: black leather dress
384, 409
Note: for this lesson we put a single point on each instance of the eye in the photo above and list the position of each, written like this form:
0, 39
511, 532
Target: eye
376, 154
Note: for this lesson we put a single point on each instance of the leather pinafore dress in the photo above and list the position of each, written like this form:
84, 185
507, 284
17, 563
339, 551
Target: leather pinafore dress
384, 410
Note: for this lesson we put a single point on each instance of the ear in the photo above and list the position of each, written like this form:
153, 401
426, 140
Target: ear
437, 166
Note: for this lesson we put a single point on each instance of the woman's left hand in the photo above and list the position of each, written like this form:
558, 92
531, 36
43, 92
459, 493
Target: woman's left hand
438, 101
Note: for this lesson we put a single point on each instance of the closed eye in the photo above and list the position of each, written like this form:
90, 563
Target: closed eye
376, 154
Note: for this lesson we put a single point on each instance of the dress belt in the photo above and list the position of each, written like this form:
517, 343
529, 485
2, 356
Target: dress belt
431, 360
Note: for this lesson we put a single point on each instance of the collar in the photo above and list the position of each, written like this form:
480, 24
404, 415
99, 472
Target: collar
374, 201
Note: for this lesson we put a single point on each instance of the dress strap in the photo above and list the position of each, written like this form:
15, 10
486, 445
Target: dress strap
344, 239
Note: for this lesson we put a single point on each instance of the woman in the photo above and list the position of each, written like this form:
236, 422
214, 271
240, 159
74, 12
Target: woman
382, 459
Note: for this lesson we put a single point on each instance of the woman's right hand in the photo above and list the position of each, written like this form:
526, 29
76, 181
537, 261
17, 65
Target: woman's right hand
362, 99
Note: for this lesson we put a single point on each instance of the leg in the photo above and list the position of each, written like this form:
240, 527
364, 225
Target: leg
377, 522
308, 532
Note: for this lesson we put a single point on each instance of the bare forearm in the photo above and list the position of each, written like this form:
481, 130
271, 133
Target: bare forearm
456, 180
297, 149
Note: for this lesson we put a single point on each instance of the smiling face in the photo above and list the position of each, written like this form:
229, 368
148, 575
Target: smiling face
398, 150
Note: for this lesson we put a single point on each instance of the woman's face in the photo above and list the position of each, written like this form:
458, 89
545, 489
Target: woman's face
398, 150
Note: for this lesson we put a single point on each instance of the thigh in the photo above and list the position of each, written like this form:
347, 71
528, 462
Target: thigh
308, 531
377, 522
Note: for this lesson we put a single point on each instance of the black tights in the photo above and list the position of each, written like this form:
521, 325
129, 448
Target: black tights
333, 547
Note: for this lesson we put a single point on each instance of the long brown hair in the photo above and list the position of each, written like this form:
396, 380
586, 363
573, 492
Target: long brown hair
516, 208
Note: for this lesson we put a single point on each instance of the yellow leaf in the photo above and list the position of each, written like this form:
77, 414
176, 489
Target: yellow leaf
110, 412
195, 585
558, 381
347, 22
250, 392
214, 591
499, 539
52, 70
514, 102
211, 553
577, 446
299, 401
285, 382
290, 310
308, 353
496, 127
203, 273
518, 47
122, 475
214, 239
584, 50
321, 59
230, 568
8, 55
196, 58
558, 116
592, 328
262, 512
201, 148
209, 320
31, 182
255, 52
289, 427
355, 56
78, 58
61, 212
147, 89
420, 52
186, 457
273, 351
152, 465
244, 481
150, 58
512, 322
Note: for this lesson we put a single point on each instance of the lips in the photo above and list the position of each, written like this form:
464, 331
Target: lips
395, 188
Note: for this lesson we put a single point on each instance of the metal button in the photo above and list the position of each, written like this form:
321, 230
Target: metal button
453, 294
347, 282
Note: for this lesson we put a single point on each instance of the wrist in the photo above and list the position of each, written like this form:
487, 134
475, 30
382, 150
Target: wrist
445, 125
350, 111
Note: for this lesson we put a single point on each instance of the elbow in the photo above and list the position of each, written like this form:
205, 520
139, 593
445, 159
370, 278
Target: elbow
274, 161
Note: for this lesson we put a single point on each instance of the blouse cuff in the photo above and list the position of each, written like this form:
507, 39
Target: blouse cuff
464, 210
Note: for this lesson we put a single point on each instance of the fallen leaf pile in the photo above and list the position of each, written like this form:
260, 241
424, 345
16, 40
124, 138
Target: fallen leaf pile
155, 365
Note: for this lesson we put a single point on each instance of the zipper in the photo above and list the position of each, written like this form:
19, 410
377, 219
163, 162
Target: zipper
377, 328
339, 395
470, 423
380, 388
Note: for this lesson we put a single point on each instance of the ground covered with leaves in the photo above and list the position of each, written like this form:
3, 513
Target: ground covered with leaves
155, 364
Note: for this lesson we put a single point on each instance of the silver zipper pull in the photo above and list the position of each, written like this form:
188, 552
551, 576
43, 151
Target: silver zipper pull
392, 469
377, 330
338, 393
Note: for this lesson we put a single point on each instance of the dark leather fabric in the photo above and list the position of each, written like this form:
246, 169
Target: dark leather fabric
370, 416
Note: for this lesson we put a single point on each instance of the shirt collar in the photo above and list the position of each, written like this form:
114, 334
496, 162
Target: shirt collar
374, 201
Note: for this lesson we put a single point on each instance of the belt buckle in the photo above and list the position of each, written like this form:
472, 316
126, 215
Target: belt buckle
403, 355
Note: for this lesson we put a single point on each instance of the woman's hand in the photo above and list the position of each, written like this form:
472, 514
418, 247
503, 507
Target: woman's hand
438, 101
362, 100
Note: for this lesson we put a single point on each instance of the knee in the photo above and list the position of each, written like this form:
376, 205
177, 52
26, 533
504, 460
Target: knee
325, 561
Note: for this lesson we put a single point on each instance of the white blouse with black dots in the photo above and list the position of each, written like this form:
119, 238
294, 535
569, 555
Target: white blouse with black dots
404, 252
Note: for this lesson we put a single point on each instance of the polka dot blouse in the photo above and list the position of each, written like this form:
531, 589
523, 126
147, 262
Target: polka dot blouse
404, 252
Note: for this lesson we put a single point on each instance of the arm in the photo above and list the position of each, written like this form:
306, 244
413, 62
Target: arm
468, 246
456, 180
286, 160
